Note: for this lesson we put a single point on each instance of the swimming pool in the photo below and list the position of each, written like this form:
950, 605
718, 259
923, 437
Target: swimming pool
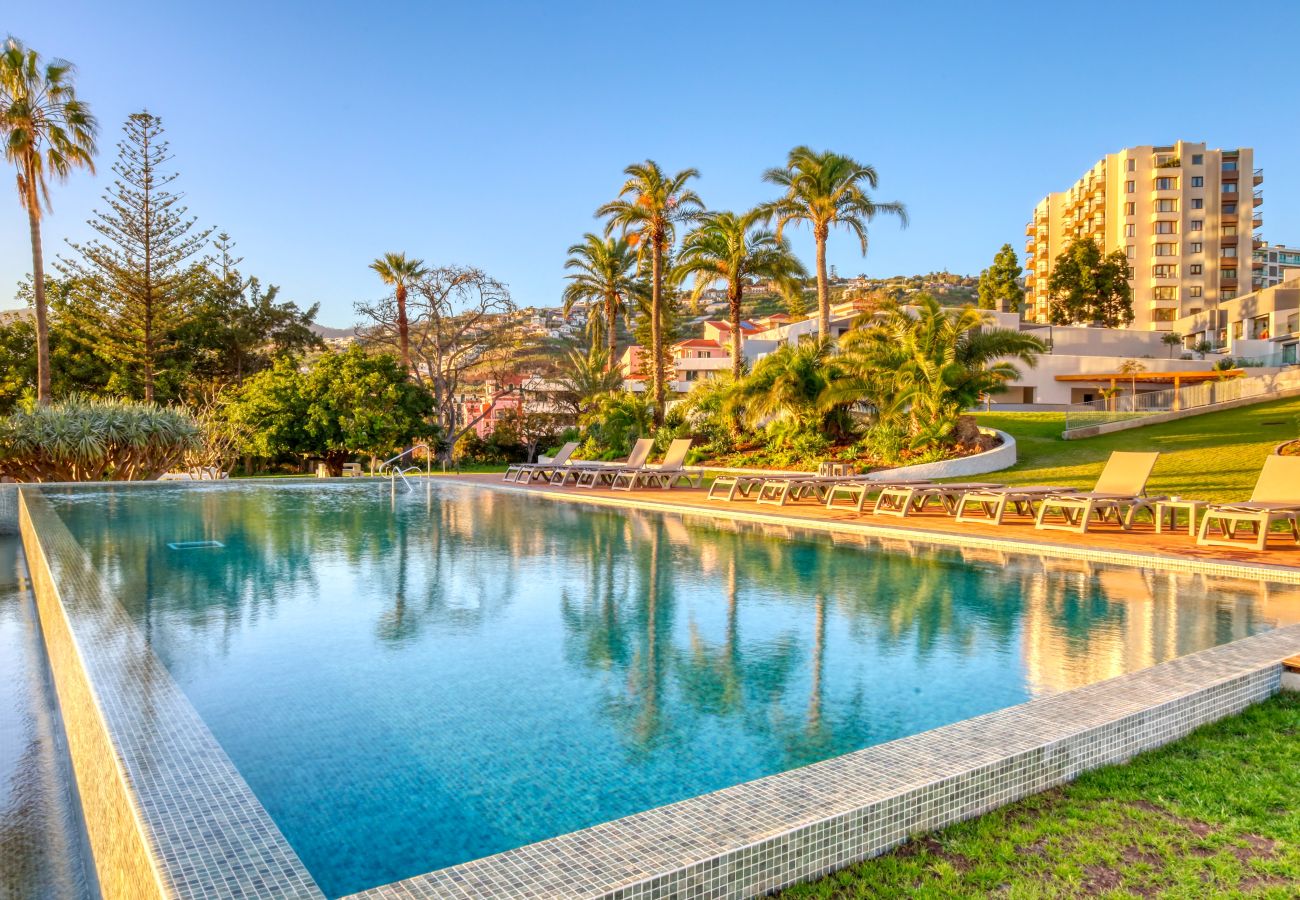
409, 682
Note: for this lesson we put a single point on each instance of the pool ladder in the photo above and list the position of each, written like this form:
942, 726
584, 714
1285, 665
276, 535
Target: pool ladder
397, 472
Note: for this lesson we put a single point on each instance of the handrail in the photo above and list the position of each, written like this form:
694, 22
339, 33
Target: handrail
395, 471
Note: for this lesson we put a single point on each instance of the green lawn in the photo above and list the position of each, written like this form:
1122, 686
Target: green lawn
1216, 456
1216, 814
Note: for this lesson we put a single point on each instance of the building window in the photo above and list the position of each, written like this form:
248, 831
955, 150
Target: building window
1198, 203
1130, 186
1229, 274
1195, 224
1130, 208
1229, 252
1165, 271
1164, 314
1194, 291
1198, 181
1230, 165
1167, 205
1130, 230
1230, 187
1166, 184
1166, 249
1169, 227
1229, 230
1195, 247
1132, 164
1196, 269
1198, 159
1229, 209
1128, 251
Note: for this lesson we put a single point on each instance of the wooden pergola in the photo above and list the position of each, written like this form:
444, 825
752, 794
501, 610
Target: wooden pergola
1173, 379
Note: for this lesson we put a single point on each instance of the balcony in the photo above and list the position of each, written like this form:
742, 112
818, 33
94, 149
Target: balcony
1258, 177
1029, 229
1257, 199
1256, 222
1230, 175
1166, 216
1228, 262
1229, 197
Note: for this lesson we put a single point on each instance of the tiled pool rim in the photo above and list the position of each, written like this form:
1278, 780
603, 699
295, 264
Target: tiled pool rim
170, 816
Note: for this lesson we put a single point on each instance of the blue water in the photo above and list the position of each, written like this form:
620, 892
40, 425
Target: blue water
412, 682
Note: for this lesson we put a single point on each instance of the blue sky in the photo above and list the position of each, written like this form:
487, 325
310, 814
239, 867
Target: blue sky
321, 135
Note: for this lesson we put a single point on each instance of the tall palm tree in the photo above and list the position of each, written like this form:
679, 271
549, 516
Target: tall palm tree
649, 207
826, 189
46, 132
728, 248
396, 270
604, 272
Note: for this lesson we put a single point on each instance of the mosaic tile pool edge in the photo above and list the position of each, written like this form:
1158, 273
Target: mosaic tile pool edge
765, 834
166, 812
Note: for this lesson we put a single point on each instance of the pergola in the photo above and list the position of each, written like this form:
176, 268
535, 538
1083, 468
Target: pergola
1175, 379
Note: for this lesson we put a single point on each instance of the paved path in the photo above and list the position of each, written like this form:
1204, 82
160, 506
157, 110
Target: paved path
40, 841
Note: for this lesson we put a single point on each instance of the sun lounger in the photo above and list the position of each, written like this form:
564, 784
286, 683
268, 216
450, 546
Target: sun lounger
903, 499
991, 505
531, 471
862, 488
590, 476
1276, 498
777, 490
667, 474
733, 484
1120, 492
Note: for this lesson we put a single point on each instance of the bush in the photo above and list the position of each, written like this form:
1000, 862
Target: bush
87, 439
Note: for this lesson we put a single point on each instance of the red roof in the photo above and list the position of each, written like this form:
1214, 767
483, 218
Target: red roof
699, 342
745, 325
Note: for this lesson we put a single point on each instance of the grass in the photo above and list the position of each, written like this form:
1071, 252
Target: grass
1215, 456
1214, 815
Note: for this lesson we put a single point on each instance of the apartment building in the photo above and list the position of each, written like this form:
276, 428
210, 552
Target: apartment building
1274, 264
1183, 213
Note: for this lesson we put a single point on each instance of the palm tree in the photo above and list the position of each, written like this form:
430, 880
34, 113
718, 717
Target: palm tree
728, 248
586, 377
396, 270
826, 189
786, 385
649, 207
928, 363
604, 272
46, 132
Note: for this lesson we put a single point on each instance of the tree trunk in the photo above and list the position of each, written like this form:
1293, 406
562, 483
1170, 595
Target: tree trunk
823, 289
610, 338
334, 460
656, 330
403, 329
735, 292
38, 292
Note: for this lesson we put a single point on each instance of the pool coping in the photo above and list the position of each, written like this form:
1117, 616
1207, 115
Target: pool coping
167, 813
1257, 571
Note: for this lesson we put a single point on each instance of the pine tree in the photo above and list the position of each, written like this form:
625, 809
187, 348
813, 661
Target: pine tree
142, 268
999, 284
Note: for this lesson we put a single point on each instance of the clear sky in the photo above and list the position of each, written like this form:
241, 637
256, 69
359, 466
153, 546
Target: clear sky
323, 134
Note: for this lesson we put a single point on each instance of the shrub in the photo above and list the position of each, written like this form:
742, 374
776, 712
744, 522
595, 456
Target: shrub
88, 439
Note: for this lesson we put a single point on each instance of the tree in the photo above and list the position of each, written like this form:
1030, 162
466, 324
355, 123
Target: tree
729, 248
787, 385
649, 207
604, 275
346, 403
999, 285
1087, 287
72, 371
458, 325
141, 270
47, 132
237, 329
1133, 368
1171, 340
926, 364
584, 378
396, 270
825, 190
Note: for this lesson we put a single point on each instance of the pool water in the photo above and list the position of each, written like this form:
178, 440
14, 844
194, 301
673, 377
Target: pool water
408, 682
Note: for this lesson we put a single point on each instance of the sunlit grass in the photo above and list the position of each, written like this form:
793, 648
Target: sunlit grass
1216, 456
